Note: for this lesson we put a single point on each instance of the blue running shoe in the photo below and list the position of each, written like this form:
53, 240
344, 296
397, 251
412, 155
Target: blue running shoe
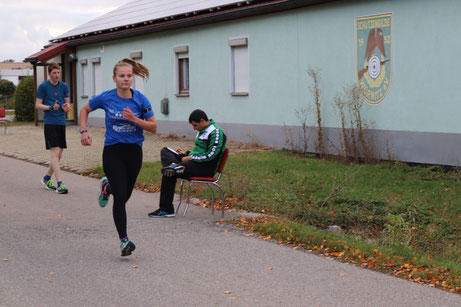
62, 189
162, 213
103, 198
49, 185
127, 247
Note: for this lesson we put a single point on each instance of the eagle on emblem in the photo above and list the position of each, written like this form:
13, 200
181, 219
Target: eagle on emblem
375, 39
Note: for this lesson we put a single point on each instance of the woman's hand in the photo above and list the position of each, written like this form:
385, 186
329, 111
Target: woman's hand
85, 139
128, 115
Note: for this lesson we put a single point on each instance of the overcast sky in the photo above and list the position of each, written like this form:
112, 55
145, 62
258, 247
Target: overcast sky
27, 25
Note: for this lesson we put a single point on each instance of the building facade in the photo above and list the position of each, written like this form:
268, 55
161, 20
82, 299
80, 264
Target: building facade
246, 64
14, 72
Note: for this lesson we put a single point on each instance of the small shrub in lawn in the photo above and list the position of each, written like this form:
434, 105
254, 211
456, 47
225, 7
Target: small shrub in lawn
24, 100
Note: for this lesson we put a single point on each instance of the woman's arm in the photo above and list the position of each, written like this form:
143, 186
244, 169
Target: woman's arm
149, 124
85, 138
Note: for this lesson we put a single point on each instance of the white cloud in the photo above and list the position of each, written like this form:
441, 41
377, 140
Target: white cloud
28, 25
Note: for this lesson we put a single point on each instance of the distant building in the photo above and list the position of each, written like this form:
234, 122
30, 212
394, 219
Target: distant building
14, 72
245, 63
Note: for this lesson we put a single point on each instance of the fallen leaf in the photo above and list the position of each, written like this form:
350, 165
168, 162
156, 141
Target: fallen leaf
4, 259
227, 292
51, 273
341, 274
138, 257
270, 269
232, 298
134, 266
4, 205
210, 260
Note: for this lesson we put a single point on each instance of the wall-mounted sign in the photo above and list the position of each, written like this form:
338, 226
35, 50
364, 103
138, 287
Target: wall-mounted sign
374, 56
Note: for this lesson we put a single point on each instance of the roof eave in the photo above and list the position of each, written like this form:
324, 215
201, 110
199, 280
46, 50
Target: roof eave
212, 17
47, 53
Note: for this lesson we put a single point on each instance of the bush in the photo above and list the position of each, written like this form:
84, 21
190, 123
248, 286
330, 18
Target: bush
7, 94
7, 102
6, 87
24, 100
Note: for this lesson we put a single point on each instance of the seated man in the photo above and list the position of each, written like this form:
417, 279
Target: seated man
202, 161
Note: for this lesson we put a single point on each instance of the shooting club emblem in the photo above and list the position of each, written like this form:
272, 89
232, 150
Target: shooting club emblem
373, 50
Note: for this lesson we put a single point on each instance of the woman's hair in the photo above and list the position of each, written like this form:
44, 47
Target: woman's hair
53, 65
138, 68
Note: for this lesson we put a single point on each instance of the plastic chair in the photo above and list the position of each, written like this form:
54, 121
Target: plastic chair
4, 119
209, 181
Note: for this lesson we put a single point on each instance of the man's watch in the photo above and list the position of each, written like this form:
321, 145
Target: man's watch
51, 108
83, 131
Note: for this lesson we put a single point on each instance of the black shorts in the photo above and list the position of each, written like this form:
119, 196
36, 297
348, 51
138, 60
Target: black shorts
55, 136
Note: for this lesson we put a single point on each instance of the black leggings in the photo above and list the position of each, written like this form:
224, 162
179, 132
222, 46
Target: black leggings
121, 163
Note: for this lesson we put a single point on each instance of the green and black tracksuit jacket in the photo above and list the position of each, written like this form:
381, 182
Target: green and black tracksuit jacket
210, 144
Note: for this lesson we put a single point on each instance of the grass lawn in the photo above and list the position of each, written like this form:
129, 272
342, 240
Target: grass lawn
392, 217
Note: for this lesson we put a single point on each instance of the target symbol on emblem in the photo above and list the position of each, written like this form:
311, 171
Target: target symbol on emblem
374, 67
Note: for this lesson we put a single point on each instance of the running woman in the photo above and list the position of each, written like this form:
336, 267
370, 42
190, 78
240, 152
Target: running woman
127, 113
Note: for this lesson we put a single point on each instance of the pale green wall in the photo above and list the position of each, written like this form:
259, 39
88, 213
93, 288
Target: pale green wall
425, 67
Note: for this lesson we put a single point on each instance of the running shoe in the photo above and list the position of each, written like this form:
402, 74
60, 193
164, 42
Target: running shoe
127, 247
172, 170
62, 189
49, 185
162, 213
103, 198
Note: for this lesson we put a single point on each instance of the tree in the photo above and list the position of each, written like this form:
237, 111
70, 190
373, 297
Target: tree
24, 100
8, 61
6, 87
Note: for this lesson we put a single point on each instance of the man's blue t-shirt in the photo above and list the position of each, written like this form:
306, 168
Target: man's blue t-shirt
50, 93
119, 130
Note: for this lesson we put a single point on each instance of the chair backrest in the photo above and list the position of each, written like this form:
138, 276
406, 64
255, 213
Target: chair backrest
2, 112
223, 160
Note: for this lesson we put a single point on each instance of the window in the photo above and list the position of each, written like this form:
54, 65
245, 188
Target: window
182, 70
240, 67
138, 82
97, 78
84, 71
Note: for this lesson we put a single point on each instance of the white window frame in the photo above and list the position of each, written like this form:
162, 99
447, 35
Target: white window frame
239, 66
181, 52
97, 75
84, 78
138, 82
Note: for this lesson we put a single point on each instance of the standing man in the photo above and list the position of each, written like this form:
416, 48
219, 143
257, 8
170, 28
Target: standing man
202, 161
53, 99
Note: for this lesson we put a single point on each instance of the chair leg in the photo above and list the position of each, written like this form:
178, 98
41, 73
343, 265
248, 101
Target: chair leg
188, 199
222, 196
212, 198
180, 197
6, 128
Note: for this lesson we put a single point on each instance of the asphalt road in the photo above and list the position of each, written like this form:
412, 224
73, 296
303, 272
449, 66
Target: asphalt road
62, 250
